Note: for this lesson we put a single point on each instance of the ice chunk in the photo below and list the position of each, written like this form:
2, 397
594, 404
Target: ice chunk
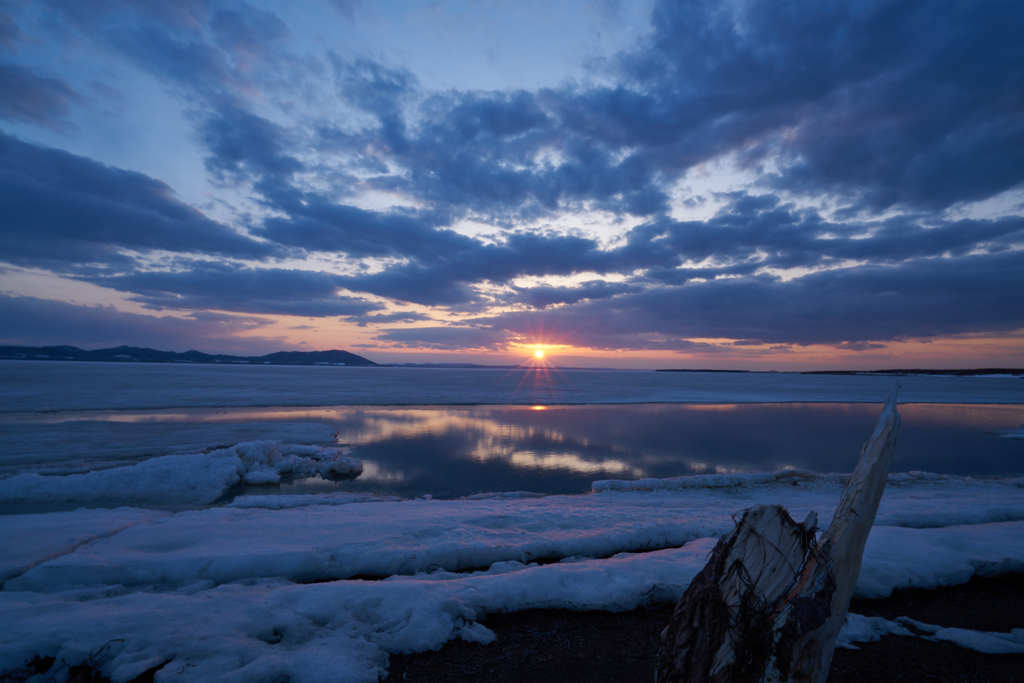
989, 642
168, 480
861, 629
194, 479
261, 457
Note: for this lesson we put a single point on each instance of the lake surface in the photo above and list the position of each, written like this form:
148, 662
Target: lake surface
450, 450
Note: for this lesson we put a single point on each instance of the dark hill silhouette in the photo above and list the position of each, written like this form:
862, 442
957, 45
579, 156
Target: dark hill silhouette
135, 354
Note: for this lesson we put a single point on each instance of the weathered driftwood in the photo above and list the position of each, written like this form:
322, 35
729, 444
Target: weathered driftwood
770, 602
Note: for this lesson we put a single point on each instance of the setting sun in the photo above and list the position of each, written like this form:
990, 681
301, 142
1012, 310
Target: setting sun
538, 354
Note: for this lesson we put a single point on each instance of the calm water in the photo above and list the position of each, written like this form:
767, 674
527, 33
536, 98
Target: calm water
59, 418
451, 451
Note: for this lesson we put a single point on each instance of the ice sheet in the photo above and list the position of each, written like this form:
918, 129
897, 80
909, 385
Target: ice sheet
382, 538
41, 386
28, 540
281, 501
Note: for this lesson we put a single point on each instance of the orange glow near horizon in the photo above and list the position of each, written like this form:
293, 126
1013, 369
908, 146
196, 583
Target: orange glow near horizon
954, 351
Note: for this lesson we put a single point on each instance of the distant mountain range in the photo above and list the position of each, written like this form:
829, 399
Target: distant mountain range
135, 354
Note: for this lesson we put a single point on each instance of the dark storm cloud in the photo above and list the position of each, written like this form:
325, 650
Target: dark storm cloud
30, 98
248, 290
31, 321
445, 279
378, 90
165, 39
544, 296
924, 298
881, 104
213, 55
479, 151
187, 61
318, 225
497, 338
890, 102
780, 236
60, 210
749, 234
9, 30
866, 106
446, 338
241, 145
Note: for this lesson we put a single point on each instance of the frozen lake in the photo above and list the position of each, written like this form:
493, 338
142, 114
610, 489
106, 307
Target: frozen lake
576, 426
54, 385
206, 520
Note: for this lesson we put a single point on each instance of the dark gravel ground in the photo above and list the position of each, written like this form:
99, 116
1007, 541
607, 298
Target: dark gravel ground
559, 646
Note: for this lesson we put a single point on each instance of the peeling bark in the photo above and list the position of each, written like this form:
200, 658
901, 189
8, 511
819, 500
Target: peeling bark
770, 602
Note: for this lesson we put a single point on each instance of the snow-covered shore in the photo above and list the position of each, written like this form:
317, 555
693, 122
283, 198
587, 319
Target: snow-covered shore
328, 591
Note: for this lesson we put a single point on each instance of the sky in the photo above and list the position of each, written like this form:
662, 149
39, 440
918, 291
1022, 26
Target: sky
733, 184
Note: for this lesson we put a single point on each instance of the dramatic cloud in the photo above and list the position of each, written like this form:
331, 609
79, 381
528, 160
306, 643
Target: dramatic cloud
446, 338
27, 320
32, 98
248, 290
65, 211
544, 296
925, 298
8, 31
829, 173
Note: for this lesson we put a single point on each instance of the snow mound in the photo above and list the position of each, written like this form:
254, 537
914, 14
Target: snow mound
989, 642
294, 538
892, 557
193, 479
861, 629
265, 591
344, 630
337, 631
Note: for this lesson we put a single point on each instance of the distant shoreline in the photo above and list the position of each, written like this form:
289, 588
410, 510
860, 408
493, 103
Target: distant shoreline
339, 358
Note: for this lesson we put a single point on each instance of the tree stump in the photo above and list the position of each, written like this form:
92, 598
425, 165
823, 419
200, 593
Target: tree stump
770, 602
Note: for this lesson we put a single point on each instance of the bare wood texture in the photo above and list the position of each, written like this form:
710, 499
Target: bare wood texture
769, 604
